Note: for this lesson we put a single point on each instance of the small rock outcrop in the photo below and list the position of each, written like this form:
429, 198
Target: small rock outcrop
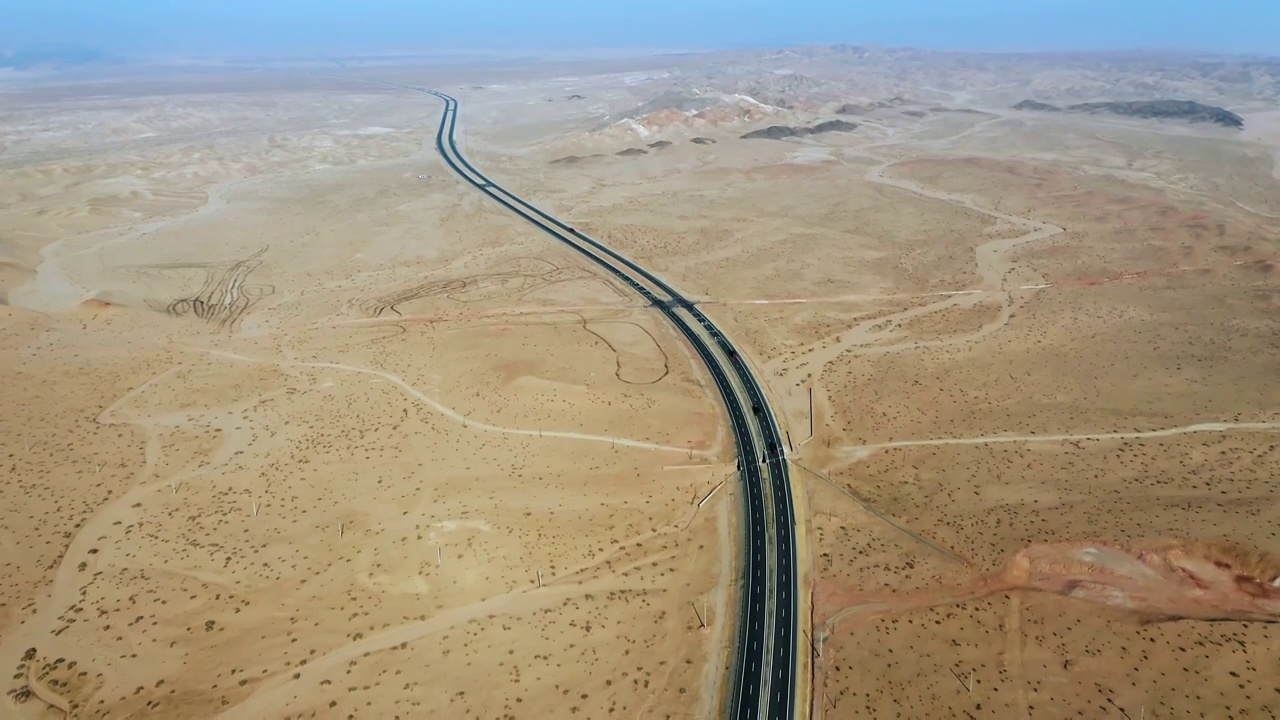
574, 159
1037, 106
864, 108
774, 132
964, 110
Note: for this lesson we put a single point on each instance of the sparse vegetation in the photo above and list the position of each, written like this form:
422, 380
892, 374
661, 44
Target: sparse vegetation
231, 508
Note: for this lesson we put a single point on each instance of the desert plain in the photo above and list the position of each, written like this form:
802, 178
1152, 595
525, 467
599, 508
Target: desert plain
297, 424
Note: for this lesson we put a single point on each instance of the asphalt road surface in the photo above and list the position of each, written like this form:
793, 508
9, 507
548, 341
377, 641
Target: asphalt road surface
764, 672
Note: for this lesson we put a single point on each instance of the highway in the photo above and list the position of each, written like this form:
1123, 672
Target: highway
763, 674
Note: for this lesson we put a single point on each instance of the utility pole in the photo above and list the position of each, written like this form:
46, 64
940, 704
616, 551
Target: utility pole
810, 411
702, 617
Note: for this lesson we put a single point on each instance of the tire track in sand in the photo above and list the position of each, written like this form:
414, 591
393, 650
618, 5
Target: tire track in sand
994, 270
459, 418
858, 452
52, 290
279, 692
65, 591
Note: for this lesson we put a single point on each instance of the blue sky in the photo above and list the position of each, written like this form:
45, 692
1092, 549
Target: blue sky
354, 25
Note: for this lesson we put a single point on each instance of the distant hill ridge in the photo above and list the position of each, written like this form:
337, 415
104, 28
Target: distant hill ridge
1162, 109
31, 58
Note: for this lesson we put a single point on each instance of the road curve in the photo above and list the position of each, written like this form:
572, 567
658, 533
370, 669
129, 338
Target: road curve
763, 681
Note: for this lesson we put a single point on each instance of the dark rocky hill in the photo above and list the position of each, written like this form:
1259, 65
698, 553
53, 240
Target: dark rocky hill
832, 126
1165, 109
779, 132
1159, 109
775, 132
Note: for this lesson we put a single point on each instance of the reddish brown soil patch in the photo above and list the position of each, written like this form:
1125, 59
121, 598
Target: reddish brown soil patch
1169, 580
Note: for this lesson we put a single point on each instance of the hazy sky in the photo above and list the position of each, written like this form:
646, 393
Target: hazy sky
353, 25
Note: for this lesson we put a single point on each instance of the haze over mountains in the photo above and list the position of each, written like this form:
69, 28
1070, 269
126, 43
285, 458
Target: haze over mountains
821, 73
53, 57
783, 94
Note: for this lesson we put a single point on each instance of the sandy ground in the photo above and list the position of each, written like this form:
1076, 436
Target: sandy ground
294, 430
1018, 331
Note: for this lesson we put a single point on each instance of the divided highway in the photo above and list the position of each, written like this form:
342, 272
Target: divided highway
764, 673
